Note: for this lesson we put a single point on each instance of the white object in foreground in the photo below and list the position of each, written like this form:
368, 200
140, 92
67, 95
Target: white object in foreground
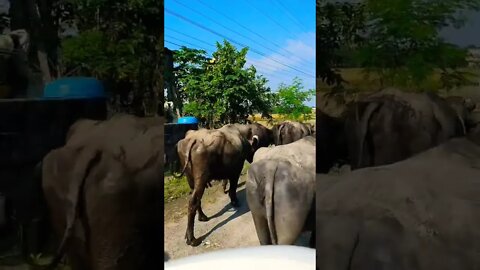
251, 258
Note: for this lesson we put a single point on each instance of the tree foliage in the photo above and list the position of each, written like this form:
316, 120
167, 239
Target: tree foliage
221, 90
398, 40
338, 24
291, 98
120, 42
190, 63
404, 43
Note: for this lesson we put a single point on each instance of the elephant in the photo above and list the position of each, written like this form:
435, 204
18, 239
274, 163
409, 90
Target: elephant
301, 152
392, 125
103, 192
463, 107
262, 133
208, 154
419, 213
290, 131
332, 142
280, 191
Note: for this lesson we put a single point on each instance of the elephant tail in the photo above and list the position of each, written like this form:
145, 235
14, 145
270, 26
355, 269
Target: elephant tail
363, 128
187, 159
270, 207
86, 161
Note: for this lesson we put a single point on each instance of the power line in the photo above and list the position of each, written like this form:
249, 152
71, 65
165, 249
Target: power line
183, 34
271, 19
257, 65
290, 15
229, 29
173, 43
233, 41
252, 32
186, 42
264, 75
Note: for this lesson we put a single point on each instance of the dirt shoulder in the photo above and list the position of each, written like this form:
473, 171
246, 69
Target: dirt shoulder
227, 227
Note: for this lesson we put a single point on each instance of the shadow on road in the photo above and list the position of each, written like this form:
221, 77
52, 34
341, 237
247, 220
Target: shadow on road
242, 209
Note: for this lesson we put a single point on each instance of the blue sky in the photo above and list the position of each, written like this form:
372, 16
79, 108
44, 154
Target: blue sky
279, 33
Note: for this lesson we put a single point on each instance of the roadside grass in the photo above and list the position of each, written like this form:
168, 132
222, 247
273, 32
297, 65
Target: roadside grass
175, 188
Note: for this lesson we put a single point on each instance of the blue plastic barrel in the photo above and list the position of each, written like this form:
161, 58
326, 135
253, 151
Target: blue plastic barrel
187, 120
74, 87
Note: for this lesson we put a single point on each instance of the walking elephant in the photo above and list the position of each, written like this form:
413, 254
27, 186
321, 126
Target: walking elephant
281, 192
392, 125
262, 134
418, 214
206, 155
331, 142
290, 131
104, 193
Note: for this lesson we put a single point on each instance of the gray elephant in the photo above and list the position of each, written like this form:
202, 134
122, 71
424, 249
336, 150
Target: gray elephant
463, 107
290, 131
331, 142
263, 135
102, 191
418, 214
392, 125
281, 192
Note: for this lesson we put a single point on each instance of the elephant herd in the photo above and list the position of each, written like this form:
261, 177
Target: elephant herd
103, 188
219, 154
409, 200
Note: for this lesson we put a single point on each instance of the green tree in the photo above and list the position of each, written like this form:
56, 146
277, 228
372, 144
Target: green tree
188, 63
339, 24
221, 90
398, 41
120, 42
404, 45
291, 98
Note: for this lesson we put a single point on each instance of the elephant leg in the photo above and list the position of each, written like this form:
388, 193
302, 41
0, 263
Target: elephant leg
261, 226
190, 182
288, 230
193, 206
254, 201
232, 192
201, 215
291, 207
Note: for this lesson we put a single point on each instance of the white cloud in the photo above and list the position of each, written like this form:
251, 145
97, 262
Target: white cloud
301, 56
297, 53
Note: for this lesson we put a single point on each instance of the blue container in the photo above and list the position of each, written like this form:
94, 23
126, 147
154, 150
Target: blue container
74, 87
187, 120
